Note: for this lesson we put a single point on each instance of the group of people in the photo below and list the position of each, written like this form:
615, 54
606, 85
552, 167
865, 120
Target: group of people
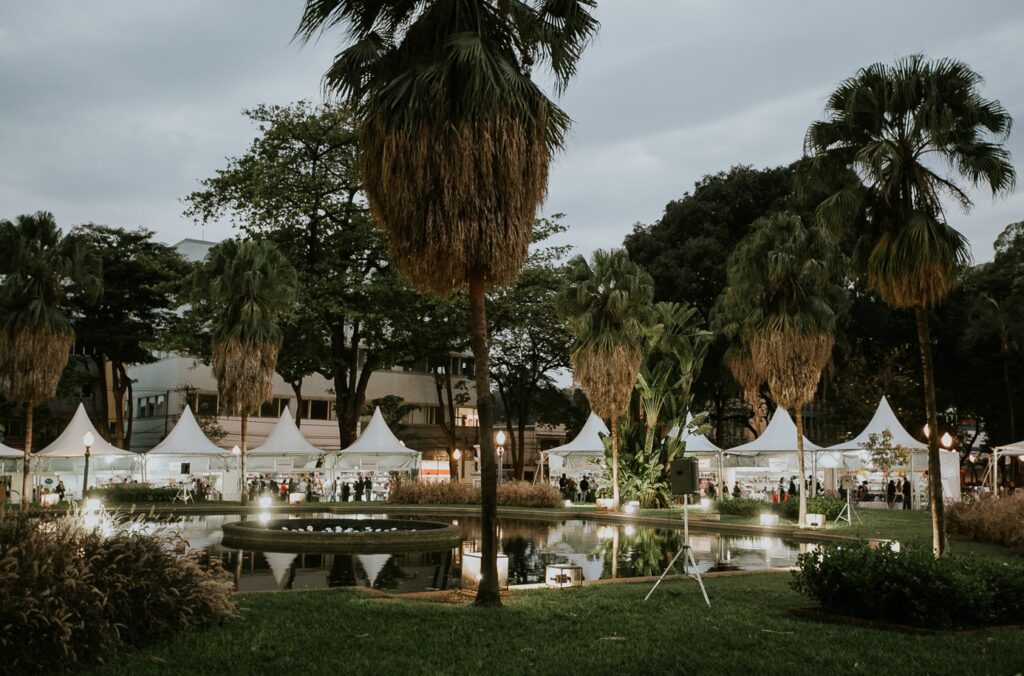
584, 492
898, 491
313, 488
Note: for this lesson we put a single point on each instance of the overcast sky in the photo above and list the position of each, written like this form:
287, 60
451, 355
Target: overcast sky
112, 110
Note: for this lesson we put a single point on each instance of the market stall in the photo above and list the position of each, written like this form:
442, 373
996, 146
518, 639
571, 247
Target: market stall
10, 464
187, 457
64, 459
585, 453
286, 454
375, 454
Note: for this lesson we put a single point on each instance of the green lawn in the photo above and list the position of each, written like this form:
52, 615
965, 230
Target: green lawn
604, 629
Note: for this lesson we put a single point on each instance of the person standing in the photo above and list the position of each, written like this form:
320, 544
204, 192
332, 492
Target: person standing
792, 488
908, 490
368, 488
890, 493
60, 490
346, 489
585, 488
359, 488
736, 492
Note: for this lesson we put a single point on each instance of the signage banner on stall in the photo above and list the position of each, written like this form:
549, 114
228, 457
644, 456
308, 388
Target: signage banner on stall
778, 464
703, 463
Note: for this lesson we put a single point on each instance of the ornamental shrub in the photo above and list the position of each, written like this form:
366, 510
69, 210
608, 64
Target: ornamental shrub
911, 587
741, 506
999, 521
76, 589
511, 493
133, 493
818, 504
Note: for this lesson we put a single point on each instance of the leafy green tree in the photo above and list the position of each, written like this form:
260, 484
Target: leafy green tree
456, 140
298, 187
1001, 320
136, 307
896, 126
607, 304
39, 269
529, 341
250, 285
790, 276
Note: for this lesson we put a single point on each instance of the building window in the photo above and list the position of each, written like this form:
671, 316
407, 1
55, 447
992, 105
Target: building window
274, 407
467, 417
206, 404
149, 407
319, 409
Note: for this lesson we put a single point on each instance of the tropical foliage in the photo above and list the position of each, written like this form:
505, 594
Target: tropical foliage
607, 304
896, 126
249, 284
39, 270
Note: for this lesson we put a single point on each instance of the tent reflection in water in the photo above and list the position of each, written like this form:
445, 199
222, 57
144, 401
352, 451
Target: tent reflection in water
378, 449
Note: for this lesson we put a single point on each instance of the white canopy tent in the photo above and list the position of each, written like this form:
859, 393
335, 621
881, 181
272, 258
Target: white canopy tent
70, 445
186, 443
7, 453
377, 448
285, 439
1015, 450
186, 438
695, 443
586, 450
883, 420
856, 457
778, 437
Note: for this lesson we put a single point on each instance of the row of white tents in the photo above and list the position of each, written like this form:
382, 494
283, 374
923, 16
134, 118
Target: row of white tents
775, 449
376, 449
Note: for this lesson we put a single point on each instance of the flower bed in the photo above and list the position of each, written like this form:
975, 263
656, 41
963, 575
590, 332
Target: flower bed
512, 493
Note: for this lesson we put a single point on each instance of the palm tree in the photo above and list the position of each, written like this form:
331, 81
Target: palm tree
897, 127
728, 319
250, 284
455, 144
790, 276
999, 319
39, 268
607, 304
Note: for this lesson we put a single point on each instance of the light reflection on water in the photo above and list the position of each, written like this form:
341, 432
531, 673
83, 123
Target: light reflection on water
601, 550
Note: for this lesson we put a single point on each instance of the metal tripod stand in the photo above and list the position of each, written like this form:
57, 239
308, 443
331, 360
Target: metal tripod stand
687, 560
847, 511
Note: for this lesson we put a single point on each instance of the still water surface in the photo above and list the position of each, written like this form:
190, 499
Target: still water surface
601, 550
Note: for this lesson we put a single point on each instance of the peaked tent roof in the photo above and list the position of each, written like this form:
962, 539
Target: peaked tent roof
695, 443
69, 443
587, 441
883, 419
778, 437
286, 439
8, 452
378, 445
187, 438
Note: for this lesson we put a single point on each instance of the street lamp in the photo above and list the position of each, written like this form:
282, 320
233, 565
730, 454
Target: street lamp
87, 441
499, 440
237, 452
947, 441
457, 456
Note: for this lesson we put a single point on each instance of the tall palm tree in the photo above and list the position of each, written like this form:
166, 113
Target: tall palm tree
250, 284
607, 304
790, 276
455, 144
728, 319
912, 132
39, 268
1001, 320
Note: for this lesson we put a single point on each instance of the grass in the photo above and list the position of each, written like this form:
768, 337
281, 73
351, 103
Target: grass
604, 629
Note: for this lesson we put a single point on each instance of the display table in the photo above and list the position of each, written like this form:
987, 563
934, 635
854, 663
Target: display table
296, 498
49, 499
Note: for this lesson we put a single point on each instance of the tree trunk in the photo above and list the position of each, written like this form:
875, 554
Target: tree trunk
1009, 392
120, 378
131, 413
615, 462
242, 458
299, 401
488, 593
802, 486
101, 370
934, 462
26, 471
520, 457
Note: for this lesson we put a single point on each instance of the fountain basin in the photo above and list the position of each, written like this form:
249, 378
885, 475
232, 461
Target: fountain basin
341, 536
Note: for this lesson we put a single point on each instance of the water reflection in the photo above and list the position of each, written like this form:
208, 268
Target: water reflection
601, 551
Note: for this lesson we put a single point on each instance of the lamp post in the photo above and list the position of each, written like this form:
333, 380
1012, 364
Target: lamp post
499, 440
457, 456
87, 441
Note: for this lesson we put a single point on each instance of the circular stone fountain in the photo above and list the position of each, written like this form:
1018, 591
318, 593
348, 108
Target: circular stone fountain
341, 536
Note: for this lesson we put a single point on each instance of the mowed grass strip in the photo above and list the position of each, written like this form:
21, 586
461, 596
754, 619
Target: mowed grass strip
605, 629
